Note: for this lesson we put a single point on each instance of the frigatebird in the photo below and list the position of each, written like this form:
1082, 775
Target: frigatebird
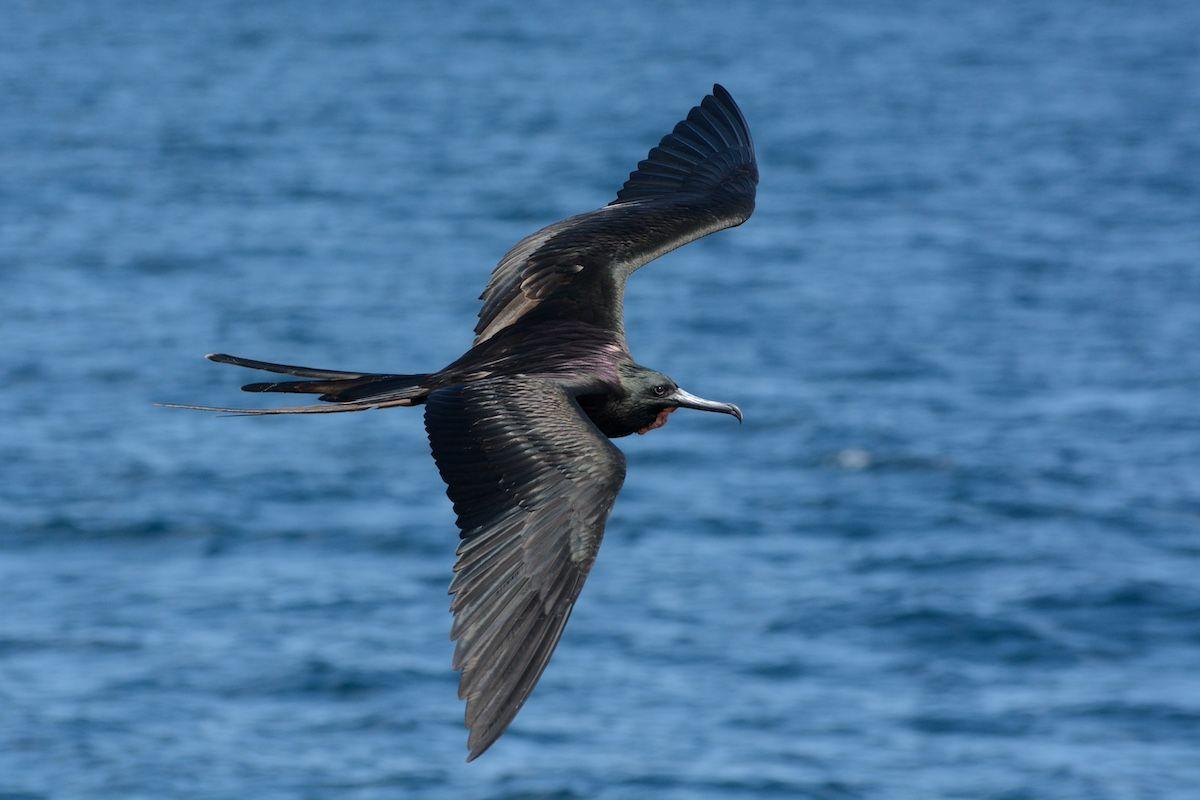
520, 425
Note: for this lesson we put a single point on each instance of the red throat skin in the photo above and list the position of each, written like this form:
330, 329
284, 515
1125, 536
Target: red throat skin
659, 421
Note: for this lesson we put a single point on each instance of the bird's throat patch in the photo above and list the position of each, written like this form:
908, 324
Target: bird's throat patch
659, 421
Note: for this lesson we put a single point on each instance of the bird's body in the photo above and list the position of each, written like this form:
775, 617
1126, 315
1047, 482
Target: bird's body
520, 424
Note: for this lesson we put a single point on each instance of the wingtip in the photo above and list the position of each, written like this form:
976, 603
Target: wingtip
220, 358
479, 738
710, 149
477, 749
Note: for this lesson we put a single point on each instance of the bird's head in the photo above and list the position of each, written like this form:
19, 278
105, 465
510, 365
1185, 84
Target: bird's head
651, 397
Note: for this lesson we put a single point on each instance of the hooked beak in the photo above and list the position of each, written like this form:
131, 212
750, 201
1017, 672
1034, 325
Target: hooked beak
684, 399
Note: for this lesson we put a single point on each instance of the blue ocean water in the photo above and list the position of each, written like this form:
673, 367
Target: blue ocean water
953, 552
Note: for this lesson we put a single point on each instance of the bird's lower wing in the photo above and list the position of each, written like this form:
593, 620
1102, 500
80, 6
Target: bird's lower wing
700, 178
532, 480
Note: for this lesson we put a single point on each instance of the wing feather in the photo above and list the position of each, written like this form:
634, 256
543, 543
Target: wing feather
699, 179
532, 481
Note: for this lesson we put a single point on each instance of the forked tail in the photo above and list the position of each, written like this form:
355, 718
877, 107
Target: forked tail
343, 391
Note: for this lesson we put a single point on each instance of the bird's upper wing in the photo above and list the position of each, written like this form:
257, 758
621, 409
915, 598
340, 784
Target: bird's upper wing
533, 481
700, 178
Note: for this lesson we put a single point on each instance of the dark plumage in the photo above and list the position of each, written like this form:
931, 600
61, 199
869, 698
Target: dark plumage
520, 424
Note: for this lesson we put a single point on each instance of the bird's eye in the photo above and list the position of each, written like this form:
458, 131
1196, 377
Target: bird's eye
660, 390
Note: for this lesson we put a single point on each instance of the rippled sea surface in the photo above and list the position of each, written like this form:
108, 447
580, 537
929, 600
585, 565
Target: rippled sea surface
953, 552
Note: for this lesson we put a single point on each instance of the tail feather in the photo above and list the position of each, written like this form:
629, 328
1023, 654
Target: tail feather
345, 391
286, 369
295, 387
335, 408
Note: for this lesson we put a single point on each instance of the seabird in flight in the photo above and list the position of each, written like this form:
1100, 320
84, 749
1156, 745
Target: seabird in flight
520, 425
